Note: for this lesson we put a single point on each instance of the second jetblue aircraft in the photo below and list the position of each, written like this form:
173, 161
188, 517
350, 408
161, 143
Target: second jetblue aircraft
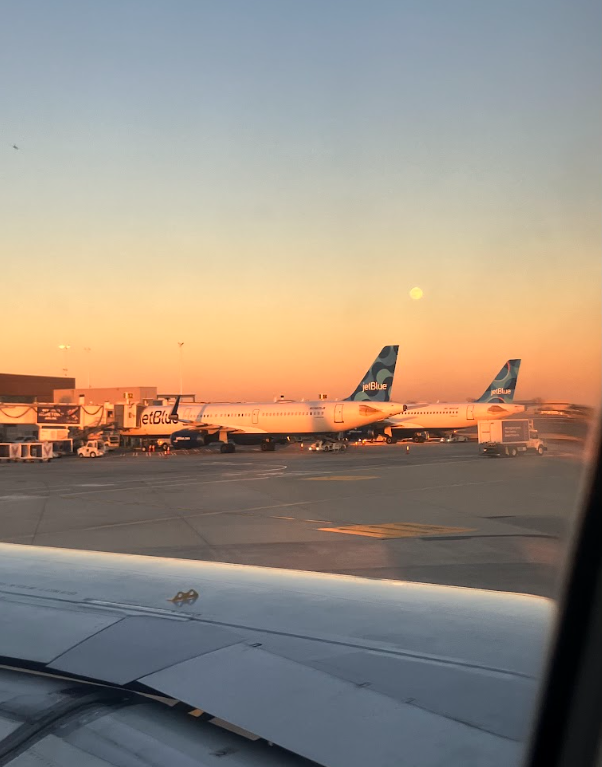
495, 402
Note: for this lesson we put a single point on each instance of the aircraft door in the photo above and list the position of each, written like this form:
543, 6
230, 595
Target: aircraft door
484, 431
470, 412
255, 415
338, 413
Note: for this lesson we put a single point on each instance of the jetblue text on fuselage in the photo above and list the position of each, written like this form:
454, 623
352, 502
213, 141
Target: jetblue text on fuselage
500, 391
373, 386
158, 417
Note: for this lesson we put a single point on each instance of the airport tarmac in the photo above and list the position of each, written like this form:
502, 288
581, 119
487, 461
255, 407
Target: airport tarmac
440, 514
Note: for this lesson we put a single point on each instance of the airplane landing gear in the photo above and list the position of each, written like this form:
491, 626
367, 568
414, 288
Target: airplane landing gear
267, 446
227, 447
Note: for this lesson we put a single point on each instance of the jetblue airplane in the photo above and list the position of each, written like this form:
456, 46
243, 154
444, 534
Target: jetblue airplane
495, 402
270, 423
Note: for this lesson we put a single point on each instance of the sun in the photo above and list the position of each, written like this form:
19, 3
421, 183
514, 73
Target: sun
416, 294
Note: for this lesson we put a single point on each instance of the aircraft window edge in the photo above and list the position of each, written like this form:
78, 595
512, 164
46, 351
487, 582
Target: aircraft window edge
568, 722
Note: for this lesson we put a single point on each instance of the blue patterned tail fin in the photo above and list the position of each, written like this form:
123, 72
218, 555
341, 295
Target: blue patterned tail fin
501, 389
376, 385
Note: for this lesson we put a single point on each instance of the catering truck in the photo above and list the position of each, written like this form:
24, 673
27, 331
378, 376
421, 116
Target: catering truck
509, 437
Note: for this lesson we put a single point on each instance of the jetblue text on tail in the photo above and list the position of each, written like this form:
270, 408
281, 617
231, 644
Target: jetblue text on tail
376, 385
501, 389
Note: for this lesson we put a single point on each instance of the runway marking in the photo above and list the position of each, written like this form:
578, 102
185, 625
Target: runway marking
455, 484
188, 480
337, 478
201, 514
19, 497
152, 486
298, 519
173, 480
160, 481
59, 492
396, 530
293, 474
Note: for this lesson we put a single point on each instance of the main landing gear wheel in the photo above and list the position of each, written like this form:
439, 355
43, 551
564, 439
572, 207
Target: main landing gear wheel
227, 448
268, 447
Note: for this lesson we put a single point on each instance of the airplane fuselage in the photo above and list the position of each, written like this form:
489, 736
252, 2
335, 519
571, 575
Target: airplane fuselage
273, 418
451, 415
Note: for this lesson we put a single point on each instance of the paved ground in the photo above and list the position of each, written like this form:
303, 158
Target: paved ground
441, 514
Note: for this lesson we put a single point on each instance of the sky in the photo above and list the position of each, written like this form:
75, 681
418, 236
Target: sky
267, 181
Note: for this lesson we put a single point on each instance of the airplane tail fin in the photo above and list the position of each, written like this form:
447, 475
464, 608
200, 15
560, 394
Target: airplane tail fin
501, 389
173, 413
376, 385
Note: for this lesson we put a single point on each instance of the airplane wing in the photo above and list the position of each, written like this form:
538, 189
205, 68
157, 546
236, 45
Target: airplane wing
343, 671
414, 425
210, 427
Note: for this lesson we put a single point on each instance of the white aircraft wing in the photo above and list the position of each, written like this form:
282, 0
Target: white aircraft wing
212, 427
343, 671
404, 424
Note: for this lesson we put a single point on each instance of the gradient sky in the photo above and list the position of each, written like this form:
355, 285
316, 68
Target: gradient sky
267, 181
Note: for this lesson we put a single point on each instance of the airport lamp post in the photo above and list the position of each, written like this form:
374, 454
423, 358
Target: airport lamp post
180, 345
65, 349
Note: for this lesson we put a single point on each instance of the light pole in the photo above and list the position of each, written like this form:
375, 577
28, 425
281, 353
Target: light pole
65, 349
87, 349
180, 345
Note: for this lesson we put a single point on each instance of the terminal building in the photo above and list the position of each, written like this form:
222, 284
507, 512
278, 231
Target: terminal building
52, 407
144, 395
29, 389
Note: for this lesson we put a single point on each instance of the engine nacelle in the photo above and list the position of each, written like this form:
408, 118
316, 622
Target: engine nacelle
187, 438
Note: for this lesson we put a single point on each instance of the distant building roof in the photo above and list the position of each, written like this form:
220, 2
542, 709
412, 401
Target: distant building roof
99, 395
26, 388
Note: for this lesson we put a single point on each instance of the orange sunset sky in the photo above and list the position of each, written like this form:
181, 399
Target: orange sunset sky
267, 182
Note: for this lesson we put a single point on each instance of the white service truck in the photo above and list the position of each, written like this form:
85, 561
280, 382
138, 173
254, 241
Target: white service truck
509, 437
326, 446
92, 449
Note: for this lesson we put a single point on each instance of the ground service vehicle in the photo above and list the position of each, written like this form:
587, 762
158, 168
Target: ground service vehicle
509, 437
92, 449
324, 446
455, 438
111, 441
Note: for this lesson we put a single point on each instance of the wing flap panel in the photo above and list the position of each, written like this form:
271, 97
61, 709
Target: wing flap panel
117, 655
22, 626
324, 718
